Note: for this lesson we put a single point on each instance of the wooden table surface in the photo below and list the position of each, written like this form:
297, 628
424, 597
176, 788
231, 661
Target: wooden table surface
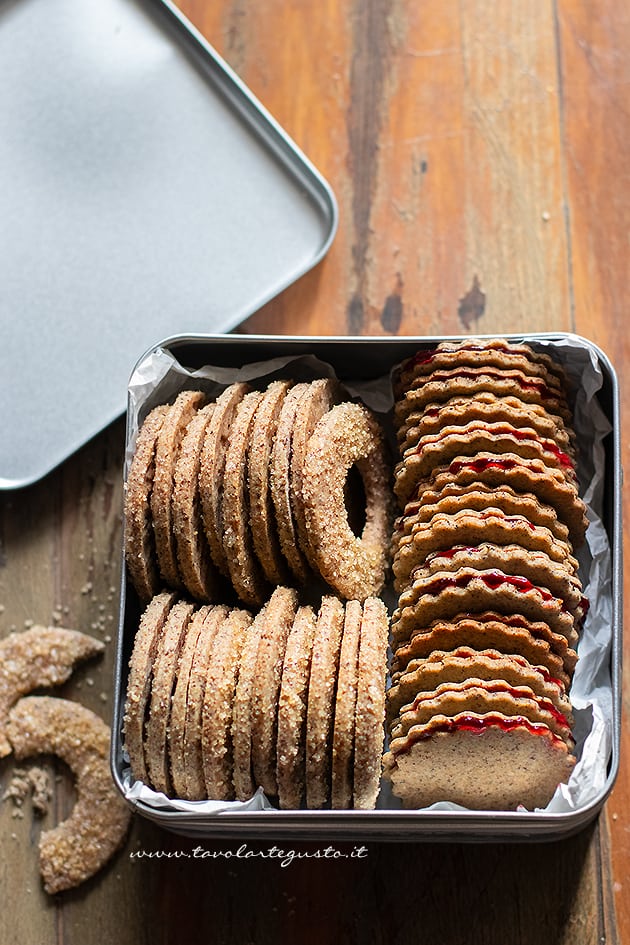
479, 154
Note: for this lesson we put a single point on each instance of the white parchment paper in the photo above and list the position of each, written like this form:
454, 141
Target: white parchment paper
159, 377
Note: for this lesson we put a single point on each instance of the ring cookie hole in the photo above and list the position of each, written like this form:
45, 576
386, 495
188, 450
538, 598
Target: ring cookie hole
355, 500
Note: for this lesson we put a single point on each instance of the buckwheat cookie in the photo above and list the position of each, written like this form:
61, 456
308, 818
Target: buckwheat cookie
424, 675
477, 497
370, 707
522, 763
437, 449
140, 553
523, 475
291, 745
139, 684
177, 755
483, 696
195, 783
261, 510
511, 633
212, 467
487, 408
321, 696
242, 710
319, 397
196, 567
470, 527
81, 845
280, 615
244, 568
345, 708
354, 565
162, 685
280, 480
440, 386
38, 657
446, 593
218, 701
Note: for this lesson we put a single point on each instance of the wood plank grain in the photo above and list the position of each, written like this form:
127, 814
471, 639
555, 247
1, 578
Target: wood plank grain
297, 60
442, 142
594, 39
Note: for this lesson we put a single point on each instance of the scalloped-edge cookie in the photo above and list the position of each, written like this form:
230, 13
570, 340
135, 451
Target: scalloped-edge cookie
482, 696
437, 449
423, 675
523, 475
487, 408
471, 527
484, 762
510, 633
477, 497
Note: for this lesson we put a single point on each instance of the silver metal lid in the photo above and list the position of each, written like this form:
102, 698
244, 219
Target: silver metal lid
143, 192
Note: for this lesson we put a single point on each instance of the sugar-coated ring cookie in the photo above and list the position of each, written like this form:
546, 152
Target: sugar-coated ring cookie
195, 784
321, 701
280, 482
178, 758
40, 656
199, 574
292, 704
78, 847
242, 710
261, 510
318, 398
140, 552
168, 652
347, 436
370, 706
244, 568
212, 467
345, 708
218, 703
140, 675
280, 615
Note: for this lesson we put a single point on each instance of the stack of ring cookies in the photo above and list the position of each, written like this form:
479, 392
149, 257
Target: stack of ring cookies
248, 492
260, 658
290, 699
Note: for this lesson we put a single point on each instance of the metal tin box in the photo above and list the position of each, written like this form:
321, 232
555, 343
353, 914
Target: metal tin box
364, 364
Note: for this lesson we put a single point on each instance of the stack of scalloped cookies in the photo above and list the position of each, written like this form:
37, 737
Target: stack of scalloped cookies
240, 501
490, 604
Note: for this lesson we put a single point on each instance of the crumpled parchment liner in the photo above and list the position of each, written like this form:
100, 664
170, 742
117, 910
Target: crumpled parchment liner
160, 376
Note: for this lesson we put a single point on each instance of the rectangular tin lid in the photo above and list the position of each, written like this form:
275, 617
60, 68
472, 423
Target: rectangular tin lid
143, 192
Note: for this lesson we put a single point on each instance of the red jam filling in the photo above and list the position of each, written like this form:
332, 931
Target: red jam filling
480, 724
507, 430
524, 383
493, 579
421, 357
480, 465
515, 692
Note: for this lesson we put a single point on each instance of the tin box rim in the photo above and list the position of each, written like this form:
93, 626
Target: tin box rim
399, 824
